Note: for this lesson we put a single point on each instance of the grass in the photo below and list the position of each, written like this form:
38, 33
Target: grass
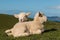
52, 29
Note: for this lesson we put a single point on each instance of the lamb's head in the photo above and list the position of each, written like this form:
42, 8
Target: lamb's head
40, 17
22, 16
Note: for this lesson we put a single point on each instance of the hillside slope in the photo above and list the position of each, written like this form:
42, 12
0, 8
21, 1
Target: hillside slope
52, 29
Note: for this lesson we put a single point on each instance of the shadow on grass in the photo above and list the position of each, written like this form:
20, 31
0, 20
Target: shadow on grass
50, 30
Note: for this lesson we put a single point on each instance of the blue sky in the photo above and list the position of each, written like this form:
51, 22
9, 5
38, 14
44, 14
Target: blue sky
48, 7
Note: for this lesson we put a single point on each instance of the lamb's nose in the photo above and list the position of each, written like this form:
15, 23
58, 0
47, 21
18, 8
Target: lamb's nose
22, 20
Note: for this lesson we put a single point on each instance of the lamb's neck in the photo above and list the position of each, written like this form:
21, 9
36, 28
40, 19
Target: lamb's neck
36, 19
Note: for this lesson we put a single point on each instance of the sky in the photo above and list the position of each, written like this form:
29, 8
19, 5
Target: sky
48, 7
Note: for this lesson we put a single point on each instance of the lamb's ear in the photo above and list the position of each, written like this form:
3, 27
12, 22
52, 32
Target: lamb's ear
40, 15
15, 15
28, 13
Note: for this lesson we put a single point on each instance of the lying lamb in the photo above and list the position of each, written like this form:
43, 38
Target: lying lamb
28, 28
22, 16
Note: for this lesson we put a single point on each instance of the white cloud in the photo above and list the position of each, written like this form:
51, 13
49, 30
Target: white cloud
55, 7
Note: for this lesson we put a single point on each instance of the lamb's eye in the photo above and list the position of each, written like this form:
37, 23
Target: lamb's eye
26, 16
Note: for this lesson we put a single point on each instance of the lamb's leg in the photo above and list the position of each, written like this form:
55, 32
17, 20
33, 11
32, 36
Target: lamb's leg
42, 30
9, 34
7, 31
21, 34
25, 34
37, 32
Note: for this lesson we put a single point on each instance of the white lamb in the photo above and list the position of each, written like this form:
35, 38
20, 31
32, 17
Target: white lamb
28, 28
22, 16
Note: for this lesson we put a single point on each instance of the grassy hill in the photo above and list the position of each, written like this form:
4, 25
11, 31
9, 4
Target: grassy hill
52, 29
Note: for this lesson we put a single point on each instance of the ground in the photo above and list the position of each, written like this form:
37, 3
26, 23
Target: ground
52, 29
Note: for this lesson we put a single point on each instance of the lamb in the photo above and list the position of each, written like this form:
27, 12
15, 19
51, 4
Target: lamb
42, 19
22, 16
28, 28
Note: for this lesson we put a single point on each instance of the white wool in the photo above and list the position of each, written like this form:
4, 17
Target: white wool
22, 16
41, 19
31, 27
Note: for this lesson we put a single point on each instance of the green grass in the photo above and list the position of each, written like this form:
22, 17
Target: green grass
52, 29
